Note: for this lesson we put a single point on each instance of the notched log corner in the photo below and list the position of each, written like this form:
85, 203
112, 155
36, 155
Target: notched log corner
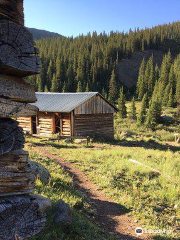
22, 217
11, 136
10, 108
16, 176
18, 56
17, 89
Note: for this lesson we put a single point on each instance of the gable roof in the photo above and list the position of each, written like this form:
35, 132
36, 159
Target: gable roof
63, 102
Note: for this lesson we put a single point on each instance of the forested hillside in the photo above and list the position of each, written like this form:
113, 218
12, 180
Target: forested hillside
88, 63
39, 34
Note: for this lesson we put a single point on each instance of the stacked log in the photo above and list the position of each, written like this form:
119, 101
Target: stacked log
22, 214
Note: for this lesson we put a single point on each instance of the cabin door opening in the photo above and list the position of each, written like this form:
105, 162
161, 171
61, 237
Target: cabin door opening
58, 123
34, 125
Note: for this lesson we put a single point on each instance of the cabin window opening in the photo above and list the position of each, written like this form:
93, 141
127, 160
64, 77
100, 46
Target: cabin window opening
58, 123
34, 124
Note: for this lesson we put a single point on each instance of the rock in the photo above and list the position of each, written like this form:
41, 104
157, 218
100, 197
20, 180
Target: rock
68, 141
43, 203
62, 213
39, 171
167, 119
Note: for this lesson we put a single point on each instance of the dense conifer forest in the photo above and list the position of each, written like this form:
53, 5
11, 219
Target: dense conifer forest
89, 63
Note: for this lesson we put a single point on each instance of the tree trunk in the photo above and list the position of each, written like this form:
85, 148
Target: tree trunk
18, 56
10, 108
22, 217
12, 10
16, 89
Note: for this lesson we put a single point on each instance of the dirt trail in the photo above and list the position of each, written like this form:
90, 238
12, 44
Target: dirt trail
109, 215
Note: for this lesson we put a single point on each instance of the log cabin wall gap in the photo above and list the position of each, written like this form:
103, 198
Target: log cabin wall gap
71, 114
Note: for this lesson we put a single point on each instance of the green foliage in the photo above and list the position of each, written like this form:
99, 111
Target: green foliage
141, 86
61, 187
142, 113
132, 113
122, 105
79, 87
55, 84
171, 99
92, 58
149, 196
112, 88
153, 115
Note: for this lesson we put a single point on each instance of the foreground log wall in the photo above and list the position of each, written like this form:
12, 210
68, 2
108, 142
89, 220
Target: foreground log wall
22, 215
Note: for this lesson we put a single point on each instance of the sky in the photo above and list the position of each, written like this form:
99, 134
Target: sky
74, 17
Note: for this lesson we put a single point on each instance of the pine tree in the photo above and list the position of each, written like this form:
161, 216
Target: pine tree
104, 93
87, 87
141, 81
79, 87
46, 89
112, 88
165, 98
40, 84
55, 84
132, 113
171, 99
142, 114
151, 78
154, 115
122, 105
65, 87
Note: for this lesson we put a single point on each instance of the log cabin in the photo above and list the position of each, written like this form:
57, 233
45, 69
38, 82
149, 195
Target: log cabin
71, 115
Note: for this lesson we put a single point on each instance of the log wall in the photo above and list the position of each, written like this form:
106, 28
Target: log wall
66, 124
94, 124
95, 105
25, 123
46, 122
12, 10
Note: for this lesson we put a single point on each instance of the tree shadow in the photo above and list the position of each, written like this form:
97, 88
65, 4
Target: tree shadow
151, 144
56, 145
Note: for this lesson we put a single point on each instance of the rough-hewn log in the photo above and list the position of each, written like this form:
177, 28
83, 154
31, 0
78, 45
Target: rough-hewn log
16, 176
13, 10
16, 89
10, 108
11, 136
22, 217
18, 56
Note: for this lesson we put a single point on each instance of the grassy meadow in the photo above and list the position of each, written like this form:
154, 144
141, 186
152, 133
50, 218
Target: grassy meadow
152, 197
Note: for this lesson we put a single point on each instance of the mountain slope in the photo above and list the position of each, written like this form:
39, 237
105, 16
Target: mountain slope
39, 34
128, 69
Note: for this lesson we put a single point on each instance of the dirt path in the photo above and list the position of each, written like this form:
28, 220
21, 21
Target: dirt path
109, 215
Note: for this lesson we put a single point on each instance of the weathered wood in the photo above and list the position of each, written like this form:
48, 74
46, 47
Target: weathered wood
11, 136
18, 56
10, 108
94, 124
16, 176
13, 10
17, 89
22, 216
95, 105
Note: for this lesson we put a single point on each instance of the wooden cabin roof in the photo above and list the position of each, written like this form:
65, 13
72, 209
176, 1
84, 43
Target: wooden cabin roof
64, 102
